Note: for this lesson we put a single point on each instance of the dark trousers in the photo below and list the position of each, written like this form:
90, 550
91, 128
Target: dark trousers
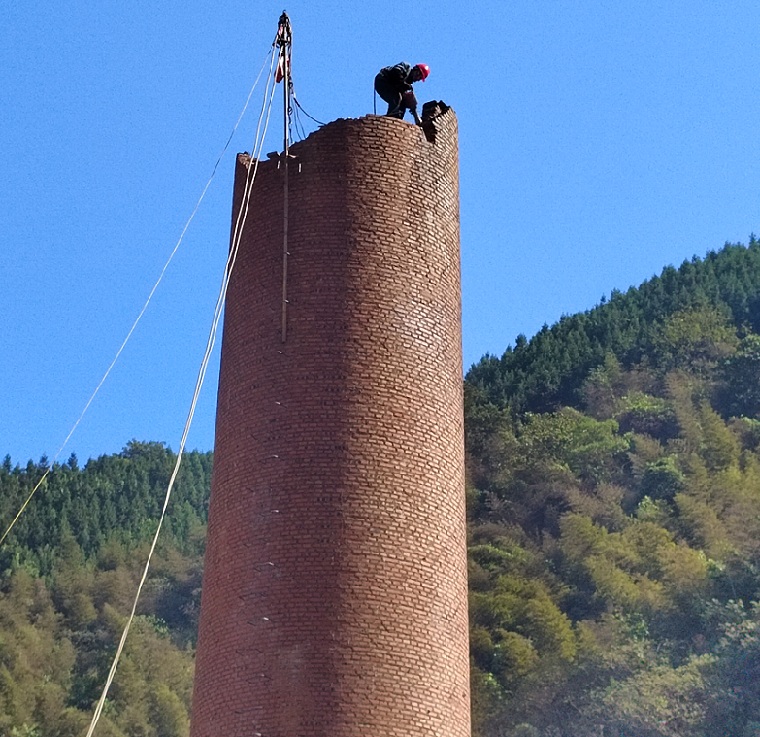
391, 95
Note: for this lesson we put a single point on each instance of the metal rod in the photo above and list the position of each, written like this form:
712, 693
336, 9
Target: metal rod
285, 40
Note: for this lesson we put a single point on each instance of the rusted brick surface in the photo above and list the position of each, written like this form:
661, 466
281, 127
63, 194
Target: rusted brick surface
335, 595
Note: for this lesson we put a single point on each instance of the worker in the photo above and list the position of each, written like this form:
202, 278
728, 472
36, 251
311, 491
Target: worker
394, 85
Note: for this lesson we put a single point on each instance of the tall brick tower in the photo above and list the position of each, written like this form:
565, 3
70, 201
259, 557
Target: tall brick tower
335, 595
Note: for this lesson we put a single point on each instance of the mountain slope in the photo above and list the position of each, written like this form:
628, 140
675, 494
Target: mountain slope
548, 370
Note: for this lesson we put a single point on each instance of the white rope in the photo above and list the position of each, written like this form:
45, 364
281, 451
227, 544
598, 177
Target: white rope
232, 257
141, 313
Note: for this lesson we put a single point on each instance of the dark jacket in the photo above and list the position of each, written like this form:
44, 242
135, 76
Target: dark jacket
396, 77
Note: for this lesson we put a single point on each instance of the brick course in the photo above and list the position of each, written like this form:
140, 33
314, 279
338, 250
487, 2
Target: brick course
334, 595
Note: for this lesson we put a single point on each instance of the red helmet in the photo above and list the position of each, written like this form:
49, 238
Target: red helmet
424, 70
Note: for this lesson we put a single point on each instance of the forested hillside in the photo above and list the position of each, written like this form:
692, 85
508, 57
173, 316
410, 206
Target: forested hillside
614, 522
614, 482
549, 370
68, 576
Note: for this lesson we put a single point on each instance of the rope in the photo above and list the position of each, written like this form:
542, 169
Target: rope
300, 107
267, 105
141, 313
293, 91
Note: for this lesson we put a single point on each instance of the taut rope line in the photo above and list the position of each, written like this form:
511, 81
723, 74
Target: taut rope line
139, 316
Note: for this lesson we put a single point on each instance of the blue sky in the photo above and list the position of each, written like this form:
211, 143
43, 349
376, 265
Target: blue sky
599, 142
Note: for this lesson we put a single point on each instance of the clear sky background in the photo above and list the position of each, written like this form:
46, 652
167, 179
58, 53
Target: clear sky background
599, 142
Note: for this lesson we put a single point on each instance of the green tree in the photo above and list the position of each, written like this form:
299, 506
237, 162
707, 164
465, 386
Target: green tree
741, 373
695, 339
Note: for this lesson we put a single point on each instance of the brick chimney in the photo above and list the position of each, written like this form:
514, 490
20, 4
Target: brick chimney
335, 594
